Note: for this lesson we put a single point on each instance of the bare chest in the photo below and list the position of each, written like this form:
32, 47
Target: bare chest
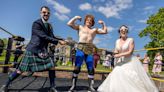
86, 32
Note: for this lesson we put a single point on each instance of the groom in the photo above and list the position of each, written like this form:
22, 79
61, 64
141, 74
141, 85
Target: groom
36, 57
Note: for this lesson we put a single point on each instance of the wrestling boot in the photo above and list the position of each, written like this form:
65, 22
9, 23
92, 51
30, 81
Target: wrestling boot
74, 80
53, 89
4, 88
91, 83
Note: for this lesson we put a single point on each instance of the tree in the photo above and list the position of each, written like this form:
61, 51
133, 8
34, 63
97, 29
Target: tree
155, 30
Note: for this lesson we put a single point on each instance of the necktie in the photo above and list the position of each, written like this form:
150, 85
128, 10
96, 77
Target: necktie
46, 25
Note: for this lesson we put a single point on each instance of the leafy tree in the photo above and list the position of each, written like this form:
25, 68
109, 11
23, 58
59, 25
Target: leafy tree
155, 30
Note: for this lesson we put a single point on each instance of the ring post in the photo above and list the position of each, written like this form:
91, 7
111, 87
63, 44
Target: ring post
8, 53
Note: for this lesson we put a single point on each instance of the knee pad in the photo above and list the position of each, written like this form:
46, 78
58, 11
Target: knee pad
77, 70
91, 72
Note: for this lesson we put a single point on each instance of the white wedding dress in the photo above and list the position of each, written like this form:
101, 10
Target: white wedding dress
128, 75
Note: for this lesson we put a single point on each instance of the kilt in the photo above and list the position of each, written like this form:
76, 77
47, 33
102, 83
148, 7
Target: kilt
31, 62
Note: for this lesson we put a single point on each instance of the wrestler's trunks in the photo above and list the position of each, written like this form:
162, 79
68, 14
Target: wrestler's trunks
87, 48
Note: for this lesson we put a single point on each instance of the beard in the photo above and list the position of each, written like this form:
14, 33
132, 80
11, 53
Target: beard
45, 17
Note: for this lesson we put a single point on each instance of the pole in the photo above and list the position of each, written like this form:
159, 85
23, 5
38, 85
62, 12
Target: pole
8, 53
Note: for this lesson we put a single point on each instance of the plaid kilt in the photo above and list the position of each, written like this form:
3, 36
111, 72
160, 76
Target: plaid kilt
31, 62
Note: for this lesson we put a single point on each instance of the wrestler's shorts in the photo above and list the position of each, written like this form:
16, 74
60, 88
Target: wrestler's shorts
87, 48
85, 53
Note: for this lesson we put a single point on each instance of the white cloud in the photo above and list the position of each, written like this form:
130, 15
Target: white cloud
104, 45
108, 11
110, 8
110, 29
99, 0
107, 36
99, 40
149, 8
142, 21
61, 11
96, 41
61, 16
61, 8
85, 6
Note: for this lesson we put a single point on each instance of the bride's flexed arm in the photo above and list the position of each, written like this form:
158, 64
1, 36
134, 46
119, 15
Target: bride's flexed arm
128, 52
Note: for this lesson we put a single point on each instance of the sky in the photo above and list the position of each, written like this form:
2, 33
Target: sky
17, 17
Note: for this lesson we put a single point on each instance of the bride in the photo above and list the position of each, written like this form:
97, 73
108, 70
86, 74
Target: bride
128, 74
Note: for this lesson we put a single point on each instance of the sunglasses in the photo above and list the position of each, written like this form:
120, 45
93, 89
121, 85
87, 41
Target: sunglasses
123, 30
45, 12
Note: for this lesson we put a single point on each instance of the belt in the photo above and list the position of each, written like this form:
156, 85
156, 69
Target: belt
87, 48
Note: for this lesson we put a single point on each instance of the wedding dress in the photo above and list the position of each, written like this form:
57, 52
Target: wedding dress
128, 75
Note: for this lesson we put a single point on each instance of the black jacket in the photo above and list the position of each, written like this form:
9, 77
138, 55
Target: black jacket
41, 37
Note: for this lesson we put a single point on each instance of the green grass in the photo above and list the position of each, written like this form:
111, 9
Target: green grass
69, 65
100, 67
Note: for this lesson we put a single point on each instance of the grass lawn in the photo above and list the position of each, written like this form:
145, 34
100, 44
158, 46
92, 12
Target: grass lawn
68, 66
99, 68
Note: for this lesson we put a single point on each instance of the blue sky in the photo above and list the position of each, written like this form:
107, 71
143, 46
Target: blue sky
17, 17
